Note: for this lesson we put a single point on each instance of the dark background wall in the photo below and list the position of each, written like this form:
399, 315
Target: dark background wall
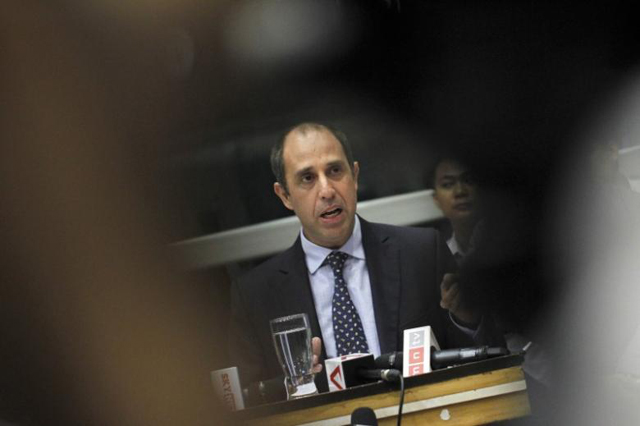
503, 84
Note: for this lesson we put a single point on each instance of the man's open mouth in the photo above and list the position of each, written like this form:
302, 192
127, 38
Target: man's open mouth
331, 213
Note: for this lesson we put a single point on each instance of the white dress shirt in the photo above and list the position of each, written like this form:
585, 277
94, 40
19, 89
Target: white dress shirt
454, 247
355, 274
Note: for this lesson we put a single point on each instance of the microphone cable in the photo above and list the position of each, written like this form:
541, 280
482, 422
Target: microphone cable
393, 375
401, 400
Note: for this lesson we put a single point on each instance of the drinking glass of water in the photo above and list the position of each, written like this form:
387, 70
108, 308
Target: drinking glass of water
292, 339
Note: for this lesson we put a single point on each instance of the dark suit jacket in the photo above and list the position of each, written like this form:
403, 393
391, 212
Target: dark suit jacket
405, 266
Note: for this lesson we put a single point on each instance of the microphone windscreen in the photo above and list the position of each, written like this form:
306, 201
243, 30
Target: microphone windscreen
493, 352
390, 360
364, 416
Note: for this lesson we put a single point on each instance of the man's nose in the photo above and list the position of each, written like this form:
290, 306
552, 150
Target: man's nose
460, 188
327, 191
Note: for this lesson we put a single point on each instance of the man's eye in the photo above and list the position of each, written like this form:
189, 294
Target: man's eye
446, 184
335, 170
306, 178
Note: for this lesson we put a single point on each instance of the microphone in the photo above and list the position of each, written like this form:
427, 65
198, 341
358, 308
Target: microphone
265, 391
390, 360
388, 375
357, 369
226, 385
363, 416
447, 357
443, 358
343, 371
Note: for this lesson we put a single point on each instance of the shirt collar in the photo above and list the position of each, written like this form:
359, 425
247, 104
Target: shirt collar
315, 254
453, 246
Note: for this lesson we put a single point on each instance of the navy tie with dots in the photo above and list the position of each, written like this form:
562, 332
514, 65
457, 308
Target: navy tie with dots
347, 327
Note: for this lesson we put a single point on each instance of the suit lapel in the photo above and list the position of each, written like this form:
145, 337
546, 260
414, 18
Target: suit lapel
383, 264
291, 291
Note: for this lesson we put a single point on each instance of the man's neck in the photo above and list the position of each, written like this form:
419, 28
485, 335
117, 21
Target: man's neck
316, 254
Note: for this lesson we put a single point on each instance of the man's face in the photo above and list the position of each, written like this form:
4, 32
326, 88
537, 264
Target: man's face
322, 187
455, 191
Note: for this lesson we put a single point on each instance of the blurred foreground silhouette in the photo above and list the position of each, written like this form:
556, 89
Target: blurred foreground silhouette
97, 325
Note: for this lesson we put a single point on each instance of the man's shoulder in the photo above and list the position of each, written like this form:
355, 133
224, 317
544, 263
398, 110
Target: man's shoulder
272, 267
408, 233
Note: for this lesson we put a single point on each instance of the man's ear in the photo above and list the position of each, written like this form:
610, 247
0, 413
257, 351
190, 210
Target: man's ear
283, 195
356, 172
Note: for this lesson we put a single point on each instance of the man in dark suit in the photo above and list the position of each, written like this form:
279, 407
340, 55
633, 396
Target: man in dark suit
392, 274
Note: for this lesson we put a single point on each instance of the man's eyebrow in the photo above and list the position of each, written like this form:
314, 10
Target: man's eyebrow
335, 163
303, 171
449, 176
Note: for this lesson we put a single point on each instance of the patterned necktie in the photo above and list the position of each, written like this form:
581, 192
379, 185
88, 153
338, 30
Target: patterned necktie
347, 327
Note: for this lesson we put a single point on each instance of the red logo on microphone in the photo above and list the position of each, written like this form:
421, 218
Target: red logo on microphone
337, 372
416, 355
